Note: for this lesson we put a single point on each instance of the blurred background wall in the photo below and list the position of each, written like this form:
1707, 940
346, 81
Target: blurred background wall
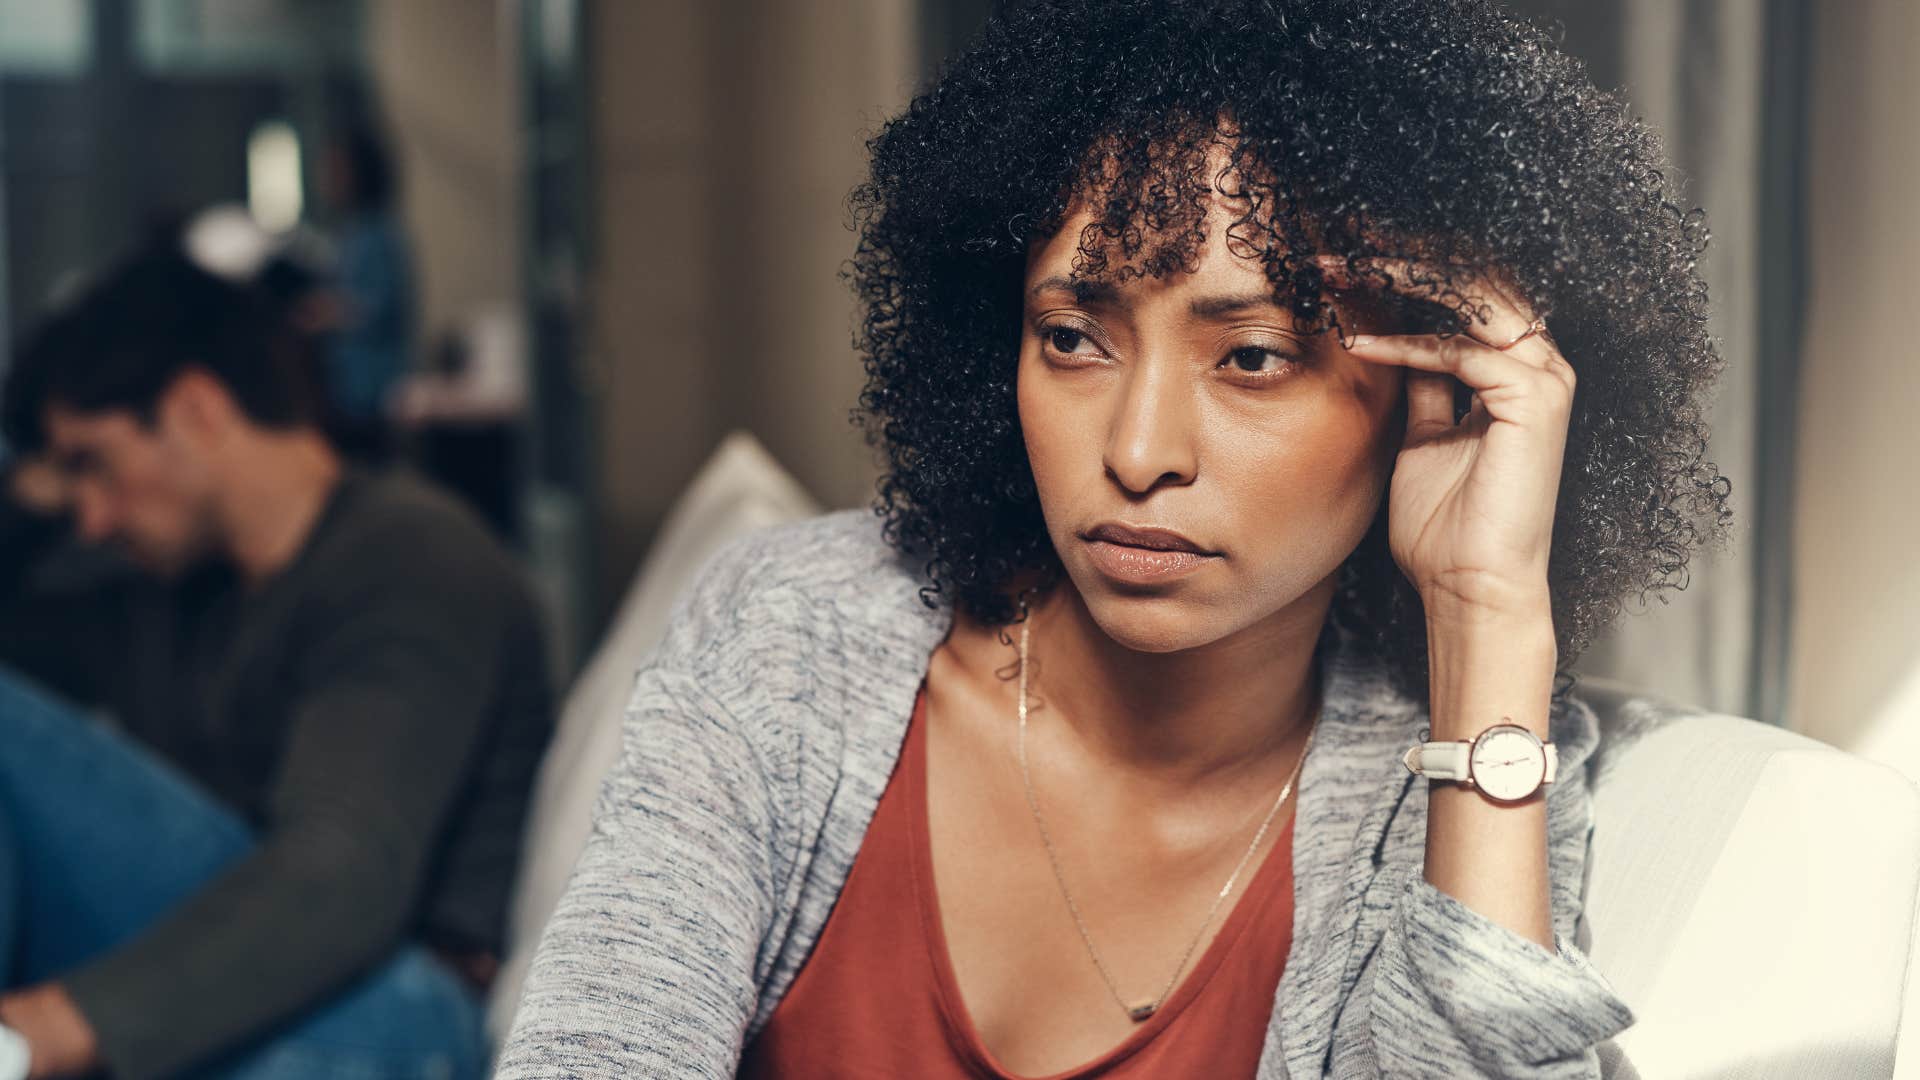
1856, 661
117, 116
446, 76
652, 196
721, 189
1699, 73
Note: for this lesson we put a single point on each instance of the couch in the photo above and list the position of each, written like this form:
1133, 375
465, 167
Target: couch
1751, 893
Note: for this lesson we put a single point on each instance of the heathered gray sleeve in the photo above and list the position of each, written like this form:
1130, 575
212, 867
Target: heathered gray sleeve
647, 967
1452, 986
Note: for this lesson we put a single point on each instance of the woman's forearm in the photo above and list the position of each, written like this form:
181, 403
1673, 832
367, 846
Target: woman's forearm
1491, 856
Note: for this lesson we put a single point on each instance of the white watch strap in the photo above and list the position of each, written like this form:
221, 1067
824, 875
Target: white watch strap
1439, 760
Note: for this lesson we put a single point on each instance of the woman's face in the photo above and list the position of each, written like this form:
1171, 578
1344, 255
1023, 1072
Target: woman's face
1189, 403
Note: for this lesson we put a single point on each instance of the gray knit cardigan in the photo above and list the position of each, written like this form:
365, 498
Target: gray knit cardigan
762, 732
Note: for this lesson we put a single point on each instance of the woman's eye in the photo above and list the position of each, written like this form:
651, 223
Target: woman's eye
1254, 360
1065, 338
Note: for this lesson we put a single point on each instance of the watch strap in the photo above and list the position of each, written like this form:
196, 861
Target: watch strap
1439, 760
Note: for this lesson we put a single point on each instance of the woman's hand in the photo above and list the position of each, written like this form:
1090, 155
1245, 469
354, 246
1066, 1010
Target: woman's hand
1471, 505
1470, 521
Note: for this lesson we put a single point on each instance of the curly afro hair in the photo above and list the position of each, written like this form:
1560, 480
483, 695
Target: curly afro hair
1444, 131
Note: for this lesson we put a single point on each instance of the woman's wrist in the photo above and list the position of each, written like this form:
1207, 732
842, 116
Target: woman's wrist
1485, 664
1490, 666
1463, 602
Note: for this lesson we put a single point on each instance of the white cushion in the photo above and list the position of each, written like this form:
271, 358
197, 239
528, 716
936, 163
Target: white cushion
1893, 738
1751, 894
739, 489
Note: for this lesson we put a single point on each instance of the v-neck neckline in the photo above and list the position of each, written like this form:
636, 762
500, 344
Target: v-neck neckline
959, 1019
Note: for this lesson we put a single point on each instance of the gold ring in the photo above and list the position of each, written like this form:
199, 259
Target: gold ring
1537, 326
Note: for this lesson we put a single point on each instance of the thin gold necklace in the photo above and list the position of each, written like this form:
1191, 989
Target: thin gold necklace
1141, 1012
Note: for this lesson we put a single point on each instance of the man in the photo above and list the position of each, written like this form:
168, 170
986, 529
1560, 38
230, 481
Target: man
293, 858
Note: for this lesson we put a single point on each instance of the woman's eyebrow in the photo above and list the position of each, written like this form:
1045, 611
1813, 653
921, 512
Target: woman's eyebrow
1206, 307
1084, 292
1213, 307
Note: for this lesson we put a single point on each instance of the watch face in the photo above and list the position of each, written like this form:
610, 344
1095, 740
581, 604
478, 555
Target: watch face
1508, 762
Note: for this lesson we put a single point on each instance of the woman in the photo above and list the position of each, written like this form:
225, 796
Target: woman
1223, 356
368, 312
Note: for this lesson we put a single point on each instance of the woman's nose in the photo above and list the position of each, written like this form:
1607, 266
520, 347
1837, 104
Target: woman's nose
1151, 439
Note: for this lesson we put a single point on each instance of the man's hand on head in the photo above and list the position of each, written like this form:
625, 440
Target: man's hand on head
37, 484
60, 1039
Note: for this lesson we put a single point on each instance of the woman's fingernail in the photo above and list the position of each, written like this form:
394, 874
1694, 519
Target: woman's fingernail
1361, 341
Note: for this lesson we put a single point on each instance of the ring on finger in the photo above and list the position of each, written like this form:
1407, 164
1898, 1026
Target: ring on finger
1537, 326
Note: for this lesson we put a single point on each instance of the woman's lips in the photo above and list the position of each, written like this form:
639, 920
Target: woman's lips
1143, 565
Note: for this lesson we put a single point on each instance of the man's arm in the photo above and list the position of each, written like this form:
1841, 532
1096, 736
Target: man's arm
57, 636
392, 707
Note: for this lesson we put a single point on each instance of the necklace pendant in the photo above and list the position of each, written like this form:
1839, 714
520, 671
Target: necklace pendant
1141, 1012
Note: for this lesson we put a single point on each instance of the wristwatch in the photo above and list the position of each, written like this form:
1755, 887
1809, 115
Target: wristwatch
15, 1056
1507, 762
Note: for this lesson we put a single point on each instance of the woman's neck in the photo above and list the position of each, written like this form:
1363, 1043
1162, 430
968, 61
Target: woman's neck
1177, 719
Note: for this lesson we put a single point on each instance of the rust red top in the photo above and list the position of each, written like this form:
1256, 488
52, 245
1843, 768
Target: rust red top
878, 998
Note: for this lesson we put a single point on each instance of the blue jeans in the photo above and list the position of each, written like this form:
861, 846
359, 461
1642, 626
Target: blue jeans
98, 838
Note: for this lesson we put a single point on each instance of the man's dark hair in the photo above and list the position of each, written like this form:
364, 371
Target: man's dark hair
129, 335
1446, 132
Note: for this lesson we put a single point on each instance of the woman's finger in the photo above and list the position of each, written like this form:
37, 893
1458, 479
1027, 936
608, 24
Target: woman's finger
1505, 316
1487, 370
1429, 403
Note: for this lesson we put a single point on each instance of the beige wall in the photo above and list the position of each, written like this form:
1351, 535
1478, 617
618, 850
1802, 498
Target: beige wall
789, 171
1857, 631
1695, 644
444, 74
646, 349
728, 134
